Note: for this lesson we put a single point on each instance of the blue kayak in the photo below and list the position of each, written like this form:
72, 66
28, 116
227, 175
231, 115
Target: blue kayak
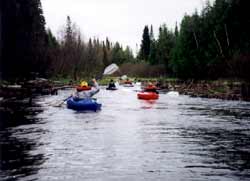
83, 104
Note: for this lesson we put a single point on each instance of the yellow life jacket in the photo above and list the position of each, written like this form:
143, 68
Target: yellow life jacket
84, 84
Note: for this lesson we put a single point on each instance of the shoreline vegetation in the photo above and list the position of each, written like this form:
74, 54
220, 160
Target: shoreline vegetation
218, 89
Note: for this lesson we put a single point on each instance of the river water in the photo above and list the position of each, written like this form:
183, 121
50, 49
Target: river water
173, 138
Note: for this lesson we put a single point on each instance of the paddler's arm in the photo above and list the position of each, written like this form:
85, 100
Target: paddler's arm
95, 89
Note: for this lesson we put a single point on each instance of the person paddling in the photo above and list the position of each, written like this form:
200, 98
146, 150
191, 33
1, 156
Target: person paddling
111, 84
151, 88
79, 94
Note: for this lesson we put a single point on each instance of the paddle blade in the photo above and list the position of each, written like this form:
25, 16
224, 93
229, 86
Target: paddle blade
110, 69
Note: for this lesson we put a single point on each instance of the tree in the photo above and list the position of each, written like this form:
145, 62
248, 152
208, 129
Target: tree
153, 53
128, 54
105, 55
151, 35
23, 39
68, 32
145, 45
165, 44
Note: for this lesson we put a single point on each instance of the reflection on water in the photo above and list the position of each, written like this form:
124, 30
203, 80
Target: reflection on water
173, 138
16, 160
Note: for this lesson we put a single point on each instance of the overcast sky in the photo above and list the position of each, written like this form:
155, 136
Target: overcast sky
120, 20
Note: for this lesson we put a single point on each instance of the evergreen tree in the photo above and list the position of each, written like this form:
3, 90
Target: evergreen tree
128, 55
118, 54
68, 32
51, 40
176, 31
165, 45
105, 55
153, 53
151, 35
108, 44
153, 48
24, 38
145, 45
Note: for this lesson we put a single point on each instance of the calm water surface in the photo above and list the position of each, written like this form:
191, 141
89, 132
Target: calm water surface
173, 138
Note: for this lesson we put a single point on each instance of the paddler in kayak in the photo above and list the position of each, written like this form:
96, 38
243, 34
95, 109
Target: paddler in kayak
83, 86
151, 88
79, 94
111, 85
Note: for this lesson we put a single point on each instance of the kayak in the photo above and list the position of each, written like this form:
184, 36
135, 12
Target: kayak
83, 104
111, 88
147, 95
83, 88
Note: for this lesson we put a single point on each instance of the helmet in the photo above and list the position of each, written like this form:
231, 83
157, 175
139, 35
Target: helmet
84, 84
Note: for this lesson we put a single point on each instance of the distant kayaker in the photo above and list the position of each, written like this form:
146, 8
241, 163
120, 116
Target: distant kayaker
80, 94
151, 88
127, 81
111, 84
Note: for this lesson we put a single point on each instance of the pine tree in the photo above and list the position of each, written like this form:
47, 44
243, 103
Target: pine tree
108, 44
68, 32
24, 38
145, 44
176, 31
151, 35
165, 45
105, 55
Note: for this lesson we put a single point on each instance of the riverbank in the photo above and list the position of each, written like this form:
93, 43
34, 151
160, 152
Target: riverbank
219, 89
31, 88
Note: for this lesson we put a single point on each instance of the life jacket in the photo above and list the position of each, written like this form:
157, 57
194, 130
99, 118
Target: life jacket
150, 87
84, 84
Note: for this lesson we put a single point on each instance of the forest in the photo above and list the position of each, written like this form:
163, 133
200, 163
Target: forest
206, 45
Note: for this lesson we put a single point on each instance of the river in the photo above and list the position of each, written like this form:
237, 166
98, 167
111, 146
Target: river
174, 138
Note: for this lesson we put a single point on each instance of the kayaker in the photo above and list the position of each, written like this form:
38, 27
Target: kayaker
111, 84
127, 81
84, 84
79, 94
151, 88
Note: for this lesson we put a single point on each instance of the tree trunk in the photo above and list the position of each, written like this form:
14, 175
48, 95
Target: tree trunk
219, 45
196, 40
228, 42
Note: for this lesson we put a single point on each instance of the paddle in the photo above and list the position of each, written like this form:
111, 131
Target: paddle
110, 69
107, 71
61, 103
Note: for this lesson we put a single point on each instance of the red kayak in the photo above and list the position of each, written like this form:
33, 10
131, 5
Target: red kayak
147, 95
83, 88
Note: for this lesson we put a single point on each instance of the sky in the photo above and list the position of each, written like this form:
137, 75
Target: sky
119, 20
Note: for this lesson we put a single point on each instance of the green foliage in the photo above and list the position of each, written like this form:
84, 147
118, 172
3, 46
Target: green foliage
120, 56
157, 51
145, 45
76, 58
165, 44
23, 39
153, 53
208, 44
